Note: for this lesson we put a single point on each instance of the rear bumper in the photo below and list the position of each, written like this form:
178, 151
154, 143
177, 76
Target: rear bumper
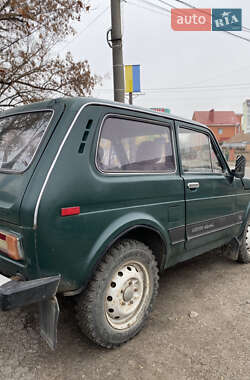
15, 294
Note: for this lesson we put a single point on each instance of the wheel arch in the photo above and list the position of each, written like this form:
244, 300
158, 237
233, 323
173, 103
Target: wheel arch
148, 231
151, 237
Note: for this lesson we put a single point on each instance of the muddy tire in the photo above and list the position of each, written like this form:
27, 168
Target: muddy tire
120, 297
244, 252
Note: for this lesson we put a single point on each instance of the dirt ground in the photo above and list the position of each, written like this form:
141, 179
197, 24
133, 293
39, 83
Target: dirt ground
199, 329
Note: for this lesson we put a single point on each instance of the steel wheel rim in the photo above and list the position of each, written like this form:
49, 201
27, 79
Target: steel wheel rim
126, 295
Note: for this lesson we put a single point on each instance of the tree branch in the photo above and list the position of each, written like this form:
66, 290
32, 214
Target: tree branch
29, 30
5, 5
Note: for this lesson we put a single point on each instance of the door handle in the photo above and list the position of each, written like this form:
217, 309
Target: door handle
193, 185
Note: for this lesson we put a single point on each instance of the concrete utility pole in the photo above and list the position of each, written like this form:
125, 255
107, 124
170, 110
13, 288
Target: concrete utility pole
116, 39
130, 99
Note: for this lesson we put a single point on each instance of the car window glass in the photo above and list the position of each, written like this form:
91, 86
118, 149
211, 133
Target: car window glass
20, 136
216, 165
134, 146
195, 151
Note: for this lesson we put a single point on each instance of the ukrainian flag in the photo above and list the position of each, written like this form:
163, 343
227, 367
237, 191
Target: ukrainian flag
132, 78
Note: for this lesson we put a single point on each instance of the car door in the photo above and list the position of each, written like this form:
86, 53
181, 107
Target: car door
210, 192
137, 161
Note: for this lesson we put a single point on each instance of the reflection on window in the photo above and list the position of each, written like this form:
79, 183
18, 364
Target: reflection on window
197, 153
215, 162
20, 136
134, 146
220, 131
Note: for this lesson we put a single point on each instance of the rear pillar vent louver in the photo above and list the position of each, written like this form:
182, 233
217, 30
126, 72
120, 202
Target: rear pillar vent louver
85, 136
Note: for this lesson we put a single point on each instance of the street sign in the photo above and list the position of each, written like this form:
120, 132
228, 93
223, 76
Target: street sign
160, 109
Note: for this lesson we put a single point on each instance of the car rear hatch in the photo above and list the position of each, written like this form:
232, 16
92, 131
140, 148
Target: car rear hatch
24, 134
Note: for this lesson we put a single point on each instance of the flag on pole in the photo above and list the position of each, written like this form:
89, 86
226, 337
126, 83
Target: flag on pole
132, 78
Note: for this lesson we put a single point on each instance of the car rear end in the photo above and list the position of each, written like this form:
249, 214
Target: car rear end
24, 136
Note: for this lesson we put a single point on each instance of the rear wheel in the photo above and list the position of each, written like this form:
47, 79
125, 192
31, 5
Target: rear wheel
119, 298
244, 252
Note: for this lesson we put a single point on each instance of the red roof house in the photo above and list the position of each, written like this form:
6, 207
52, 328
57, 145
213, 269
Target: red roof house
224, 124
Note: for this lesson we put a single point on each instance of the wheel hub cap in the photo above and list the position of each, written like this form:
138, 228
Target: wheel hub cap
128, 294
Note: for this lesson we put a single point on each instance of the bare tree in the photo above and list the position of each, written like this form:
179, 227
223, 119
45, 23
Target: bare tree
29, 30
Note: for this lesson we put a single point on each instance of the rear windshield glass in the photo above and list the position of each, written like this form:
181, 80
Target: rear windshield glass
20, 136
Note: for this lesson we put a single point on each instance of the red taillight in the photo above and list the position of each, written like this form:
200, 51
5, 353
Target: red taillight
2, 236
70, 211
10, 245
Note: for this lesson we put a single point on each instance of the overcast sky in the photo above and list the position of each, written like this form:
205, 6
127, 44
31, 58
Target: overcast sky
170, 59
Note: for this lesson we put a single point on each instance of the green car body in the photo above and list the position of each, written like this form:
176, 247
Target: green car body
157, 208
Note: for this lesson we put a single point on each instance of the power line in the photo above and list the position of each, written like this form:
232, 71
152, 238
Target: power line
170, 5
247, 30
244, 67
212, 87
235, 86
168, 11
225, 31
189, 91
148, 8
193, 7
155, 6
190, 6
84, 30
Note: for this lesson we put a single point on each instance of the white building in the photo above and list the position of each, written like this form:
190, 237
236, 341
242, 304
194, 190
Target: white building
246, 116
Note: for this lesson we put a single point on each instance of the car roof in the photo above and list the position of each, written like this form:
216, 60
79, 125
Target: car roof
78, 102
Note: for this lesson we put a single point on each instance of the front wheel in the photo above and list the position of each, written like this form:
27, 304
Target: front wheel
119, 298
244, 252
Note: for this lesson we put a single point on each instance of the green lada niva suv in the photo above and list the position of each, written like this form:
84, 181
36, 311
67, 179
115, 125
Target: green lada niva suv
97, 198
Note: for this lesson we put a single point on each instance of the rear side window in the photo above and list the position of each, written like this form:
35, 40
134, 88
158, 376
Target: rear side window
134, 146
20, 136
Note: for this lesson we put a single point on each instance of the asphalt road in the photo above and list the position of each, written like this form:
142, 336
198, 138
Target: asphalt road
199, 329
